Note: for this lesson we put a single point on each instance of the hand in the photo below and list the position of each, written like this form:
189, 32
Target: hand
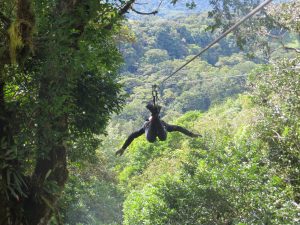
197, 135
120, 151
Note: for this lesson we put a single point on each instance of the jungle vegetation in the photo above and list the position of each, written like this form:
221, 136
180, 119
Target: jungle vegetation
74, 80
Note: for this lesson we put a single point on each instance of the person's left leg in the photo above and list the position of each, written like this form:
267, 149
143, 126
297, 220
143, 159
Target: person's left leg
160, 129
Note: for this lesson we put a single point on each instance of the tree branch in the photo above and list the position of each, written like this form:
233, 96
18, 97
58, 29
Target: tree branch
291, 48
126, 7
281, 42
144, 13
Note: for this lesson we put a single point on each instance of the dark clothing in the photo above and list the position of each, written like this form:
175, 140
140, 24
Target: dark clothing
154, 128
158, 129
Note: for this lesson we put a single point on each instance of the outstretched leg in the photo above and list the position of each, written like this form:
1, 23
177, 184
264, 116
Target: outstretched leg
171, 128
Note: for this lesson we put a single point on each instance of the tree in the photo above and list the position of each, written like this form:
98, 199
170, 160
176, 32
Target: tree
169, 39
223, 178
273, 23
276, 90
154, 56
58, 64
91, 195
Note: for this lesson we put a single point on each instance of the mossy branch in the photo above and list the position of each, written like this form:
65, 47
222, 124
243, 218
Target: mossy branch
15, 41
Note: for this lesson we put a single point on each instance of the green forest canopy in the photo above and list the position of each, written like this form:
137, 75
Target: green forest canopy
59, 68
233, 175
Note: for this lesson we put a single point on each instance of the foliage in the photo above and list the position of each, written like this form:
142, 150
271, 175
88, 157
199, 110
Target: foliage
286, 15
276, 91
58, 68
91, 196
179, 38
224, 178
272, 24
166, 182
229, 177
59, 64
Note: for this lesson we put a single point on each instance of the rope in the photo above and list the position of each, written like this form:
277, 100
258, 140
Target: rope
254, 11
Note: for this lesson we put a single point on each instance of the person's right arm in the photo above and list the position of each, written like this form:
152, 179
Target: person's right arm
129, 140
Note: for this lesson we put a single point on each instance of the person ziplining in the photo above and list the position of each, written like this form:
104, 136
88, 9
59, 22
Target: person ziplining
154, 128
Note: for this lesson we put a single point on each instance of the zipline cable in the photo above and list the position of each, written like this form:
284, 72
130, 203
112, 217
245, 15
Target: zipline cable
254, 11
154, 89
159, 5
212, 78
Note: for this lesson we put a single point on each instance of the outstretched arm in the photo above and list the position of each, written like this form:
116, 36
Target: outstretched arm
129, 140
171, 128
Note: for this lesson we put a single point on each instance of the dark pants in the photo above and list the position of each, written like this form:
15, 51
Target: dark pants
155, 128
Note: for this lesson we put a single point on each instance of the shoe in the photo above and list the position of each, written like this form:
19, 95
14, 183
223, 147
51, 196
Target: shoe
155, 110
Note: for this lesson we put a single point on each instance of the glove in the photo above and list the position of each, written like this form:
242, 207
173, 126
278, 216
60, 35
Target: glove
120, 151
197, 135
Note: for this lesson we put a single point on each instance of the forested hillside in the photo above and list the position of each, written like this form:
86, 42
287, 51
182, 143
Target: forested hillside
232, 175
75, 77
245, 170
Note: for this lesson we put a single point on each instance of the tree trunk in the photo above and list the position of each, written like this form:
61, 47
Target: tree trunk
54, 54
50, 174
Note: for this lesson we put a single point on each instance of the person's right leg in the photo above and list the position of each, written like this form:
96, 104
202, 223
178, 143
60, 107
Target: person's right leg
150, 131
159, 128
